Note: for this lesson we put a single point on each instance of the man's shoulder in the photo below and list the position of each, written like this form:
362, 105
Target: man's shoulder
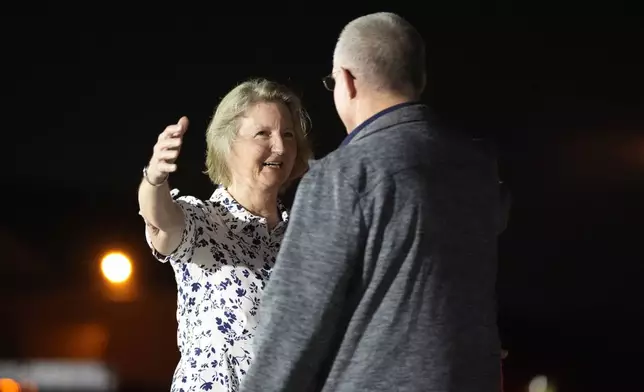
350, 168
378, 154
344, 163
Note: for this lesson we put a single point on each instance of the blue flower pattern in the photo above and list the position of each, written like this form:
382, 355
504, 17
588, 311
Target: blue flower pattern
221, 267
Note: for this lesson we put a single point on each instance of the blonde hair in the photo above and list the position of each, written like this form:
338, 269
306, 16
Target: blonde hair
224, 125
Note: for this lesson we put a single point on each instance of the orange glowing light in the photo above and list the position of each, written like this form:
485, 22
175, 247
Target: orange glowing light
116, 267
9, 385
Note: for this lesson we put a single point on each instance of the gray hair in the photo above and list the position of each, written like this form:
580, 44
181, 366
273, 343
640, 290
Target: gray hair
385, 51
223, 128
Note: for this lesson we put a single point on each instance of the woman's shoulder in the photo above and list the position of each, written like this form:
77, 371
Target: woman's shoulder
210, 211
190, 200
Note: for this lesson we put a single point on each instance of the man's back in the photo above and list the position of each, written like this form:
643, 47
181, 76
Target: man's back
386, 276
424, 310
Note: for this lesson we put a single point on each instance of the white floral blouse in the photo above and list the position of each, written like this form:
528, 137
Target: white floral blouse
221, 267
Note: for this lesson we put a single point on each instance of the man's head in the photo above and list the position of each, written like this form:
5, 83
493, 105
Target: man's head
379, 60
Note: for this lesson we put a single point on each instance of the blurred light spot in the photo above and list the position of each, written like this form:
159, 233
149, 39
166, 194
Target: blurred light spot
9, 385
60, 375
540, 384
28, 386
116, 267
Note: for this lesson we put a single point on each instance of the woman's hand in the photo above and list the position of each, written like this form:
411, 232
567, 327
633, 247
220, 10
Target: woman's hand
166, 151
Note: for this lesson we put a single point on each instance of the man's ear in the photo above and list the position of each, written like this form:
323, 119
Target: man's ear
349, 82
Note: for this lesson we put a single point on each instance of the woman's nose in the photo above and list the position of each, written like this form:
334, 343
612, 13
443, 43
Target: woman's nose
277, 147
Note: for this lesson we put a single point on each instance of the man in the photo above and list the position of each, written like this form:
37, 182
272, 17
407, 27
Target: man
386, 276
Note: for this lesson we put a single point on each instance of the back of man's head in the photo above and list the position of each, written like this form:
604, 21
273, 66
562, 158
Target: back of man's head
385, 52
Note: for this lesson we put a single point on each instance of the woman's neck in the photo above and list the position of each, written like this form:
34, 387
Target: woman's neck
261, 203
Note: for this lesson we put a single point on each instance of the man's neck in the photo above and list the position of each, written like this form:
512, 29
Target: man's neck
258, 202
368, 108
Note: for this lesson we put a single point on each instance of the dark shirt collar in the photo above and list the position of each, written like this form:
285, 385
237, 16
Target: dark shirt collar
373, 118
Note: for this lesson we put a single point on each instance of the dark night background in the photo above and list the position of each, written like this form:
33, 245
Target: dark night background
84, 98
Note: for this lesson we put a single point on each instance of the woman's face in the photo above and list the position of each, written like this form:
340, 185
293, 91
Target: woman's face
263, 153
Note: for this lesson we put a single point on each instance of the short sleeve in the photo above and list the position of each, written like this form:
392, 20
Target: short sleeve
194, 218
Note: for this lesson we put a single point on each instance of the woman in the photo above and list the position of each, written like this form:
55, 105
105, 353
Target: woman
222, 250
